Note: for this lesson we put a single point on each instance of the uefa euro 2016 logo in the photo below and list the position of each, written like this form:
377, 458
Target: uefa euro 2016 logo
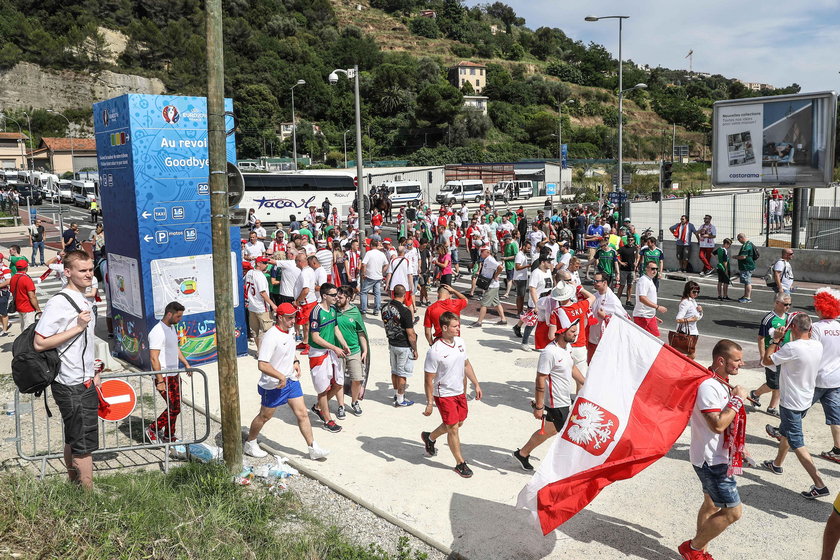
171, 114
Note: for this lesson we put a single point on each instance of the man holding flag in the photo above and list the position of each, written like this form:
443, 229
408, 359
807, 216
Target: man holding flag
718, 430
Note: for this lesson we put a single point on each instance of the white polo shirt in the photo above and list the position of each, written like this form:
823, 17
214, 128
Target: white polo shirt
278, 349
59, 316
706, 445
255, 283
289, 273
556, 363
165, 339
447, 361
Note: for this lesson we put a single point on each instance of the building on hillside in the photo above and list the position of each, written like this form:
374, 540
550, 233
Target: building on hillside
286, 130
65, 154
476, 103
428, 14
13, 150
756, 86
471, 72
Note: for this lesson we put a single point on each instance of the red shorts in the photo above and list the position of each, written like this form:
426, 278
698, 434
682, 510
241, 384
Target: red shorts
303, 313
541, 335
409, 298
452, 409
650, 325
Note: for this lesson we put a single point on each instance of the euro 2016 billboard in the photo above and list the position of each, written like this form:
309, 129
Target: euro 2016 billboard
154, 170
777, 140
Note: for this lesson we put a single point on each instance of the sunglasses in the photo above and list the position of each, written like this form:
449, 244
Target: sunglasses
653, 268
330, 295
695, 291
787, 304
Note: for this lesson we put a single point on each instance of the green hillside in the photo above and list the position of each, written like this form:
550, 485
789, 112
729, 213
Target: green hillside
410, 110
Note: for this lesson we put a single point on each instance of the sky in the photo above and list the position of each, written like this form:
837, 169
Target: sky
768, 41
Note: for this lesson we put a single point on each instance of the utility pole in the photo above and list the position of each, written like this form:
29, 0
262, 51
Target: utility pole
220, 228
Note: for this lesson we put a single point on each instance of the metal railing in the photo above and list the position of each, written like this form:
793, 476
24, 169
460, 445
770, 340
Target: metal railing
40, 438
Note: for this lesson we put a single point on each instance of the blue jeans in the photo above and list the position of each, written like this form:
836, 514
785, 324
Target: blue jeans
367, 285
37, 246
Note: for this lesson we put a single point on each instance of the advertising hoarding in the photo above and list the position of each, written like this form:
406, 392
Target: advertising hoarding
154, 169
777, 140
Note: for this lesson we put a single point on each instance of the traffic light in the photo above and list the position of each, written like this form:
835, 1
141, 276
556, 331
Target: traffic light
656, 196
666, 175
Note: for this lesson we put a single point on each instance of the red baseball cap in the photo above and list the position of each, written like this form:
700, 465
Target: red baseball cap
21, 264
286, 309
262, 259
387, 240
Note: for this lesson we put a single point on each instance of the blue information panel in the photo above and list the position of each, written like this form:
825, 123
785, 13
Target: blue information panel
154, 169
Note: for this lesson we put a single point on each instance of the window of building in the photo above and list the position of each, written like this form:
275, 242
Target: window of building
472, 71
477, 83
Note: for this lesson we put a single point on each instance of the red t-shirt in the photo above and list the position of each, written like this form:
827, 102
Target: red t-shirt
438, 308
442, 221
578, 310
376, 220
22, 285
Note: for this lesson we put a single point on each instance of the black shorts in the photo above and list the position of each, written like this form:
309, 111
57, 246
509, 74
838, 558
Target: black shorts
285, 299
771, 377
4, 304
683, 252
521, 288
557, 416
723, 277
79, 406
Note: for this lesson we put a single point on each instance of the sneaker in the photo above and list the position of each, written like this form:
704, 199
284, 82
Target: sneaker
773, 432
465, 472
300, 345
317, 412
526, 464
517, 331
331, 426
773, 412
771, 466
405, 402
815, 492
163, 438
744, 300
151, 434
475, 325
305, 351
831, 455
428, 443
253, 449
756, 398
340, 414
316, 452
688, 553
356, 409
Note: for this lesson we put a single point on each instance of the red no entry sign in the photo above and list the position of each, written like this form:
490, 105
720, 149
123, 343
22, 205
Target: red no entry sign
121, 398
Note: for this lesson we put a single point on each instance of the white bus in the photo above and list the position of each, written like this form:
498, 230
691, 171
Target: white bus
276, 196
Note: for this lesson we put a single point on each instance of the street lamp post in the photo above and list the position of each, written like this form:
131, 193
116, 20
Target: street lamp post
353, 73
294, 124
31, 166
345, 148
72, 152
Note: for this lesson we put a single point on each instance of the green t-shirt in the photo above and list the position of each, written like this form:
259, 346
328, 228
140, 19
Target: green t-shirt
635, 235
351, 325
748, 251
305, 231
323, 323
269, 273
510, 251
722, 259
606, 261
773, 321
651, 256
13, 261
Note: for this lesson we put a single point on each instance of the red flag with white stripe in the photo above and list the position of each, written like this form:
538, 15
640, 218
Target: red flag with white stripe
636, 402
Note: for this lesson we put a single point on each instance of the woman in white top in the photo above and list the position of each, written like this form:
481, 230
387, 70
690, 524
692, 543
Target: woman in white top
689, 313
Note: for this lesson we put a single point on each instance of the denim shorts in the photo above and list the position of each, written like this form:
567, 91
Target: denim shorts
746, 276
791, 426
721, 489
402, 361
830, 400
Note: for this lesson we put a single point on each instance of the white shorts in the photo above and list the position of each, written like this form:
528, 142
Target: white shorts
326, 369
579, 356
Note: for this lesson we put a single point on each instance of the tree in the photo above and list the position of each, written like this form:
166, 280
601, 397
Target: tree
439, 103
506, 14
425, 27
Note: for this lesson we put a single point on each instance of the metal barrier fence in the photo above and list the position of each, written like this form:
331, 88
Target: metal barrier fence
40, 438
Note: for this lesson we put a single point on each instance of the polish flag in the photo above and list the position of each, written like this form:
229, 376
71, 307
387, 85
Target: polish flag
636, 402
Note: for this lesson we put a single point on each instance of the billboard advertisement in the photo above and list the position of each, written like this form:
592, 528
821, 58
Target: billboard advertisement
772, 141
154, 168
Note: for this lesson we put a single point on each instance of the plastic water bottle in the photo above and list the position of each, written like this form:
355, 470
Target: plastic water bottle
10, 408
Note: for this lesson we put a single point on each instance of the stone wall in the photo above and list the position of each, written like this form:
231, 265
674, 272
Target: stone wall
30, 86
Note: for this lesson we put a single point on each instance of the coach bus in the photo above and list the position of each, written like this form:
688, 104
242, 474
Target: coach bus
276, 196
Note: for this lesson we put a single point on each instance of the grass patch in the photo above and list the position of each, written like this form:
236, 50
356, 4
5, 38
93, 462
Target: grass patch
193, 512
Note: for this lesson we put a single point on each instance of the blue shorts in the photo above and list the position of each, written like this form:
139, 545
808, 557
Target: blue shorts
721, 488
746, 277
272, 398
791, 426
830, 401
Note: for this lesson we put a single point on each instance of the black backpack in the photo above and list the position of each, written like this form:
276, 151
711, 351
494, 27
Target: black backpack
34, 371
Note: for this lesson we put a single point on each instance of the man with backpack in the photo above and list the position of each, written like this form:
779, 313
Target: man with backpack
781, 273
67, 325
23, 294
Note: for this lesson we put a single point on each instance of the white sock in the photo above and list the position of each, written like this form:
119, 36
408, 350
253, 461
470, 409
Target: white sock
400, 398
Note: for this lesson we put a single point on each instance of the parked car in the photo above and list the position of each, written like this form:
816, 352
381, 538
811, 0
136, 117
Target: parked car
30, 194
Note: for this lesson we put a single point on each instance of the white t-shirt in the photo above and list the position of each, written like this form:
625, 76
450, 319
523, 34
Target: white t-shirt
611, 305
488, 269
254, 250
542, 282
707, 230
413, 256
374, 261
309, 249
165, 339
260, 231
535, 236
399, 269
278, 349
59, 316
289, 273
827, 333
556, 363
306, 279
800, 362
785, 273
564, 260
325, 257
320, 280
521, 259
706, 445
688, 310
255, 283
554, 248
464, 213
645, 287
447, 361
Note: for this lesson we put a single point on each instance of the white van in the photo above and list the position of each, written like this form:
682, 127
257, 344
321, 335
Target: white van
84, 192
402, 192
512, 190
469, 190
65, 190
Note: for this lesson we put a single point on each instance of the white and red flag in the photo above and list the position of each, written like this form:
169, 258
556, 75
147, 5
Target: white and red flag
636, 402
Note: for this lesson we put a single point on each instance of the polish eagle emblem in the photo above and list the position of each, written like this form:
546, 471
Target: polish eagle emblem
590, 426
